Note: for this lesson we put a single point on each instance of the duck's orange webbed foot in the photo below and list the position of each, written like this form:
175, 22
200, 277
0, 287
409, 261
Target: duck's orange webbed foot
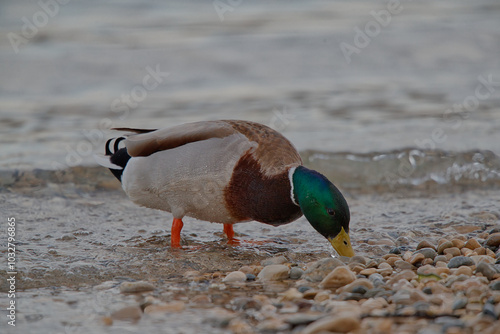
228, 230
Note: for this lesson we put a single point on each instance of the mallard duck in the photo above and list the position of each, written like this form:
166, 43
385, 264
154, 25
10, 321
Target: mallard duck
226, 171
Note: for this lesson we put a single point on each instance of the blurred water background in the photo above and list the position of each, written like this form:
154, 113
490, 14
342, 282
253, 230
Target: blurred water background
398, 103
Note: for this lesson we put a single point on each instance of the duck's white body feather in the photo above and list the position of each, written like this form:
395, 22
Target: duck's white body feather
188, 180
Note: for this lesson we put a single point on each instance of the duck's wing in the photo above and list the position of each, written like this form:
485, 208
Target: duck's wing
272, 151
147, 142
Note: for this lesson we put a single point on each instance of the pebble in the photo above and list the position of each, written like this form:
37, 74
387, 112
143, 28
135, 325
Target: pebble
128, 313
405, 274
358, 259
443, 246
368, 272
403, 265
274, 260
291, 294
274, 272
458, 243
454, 251
493, 240
426, 244
418, 257
488, 270
360, 282
321, 268
235, 276
296, 273
441, 258
132, 287
339, 323
463, 270
495, 285
472, 244
459, 303
460, 261
339, 277
429, 253
373, 304
482, 258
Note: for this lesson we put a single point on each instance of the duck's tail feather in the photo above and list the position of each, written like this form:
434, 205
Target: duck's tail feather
116, 158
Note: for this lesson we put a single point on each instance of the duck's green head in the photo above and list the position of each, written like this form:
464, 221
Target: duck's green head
324, 207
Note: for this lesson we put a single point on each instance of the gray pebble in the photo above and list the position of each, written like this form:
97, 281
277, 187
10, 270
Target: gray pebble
251, 277
489, 309
495, 286
377, 280
274, 260
321, 268
488, 270
459, 261
429, 253
459, 303
303, 288
442, 258
296, 273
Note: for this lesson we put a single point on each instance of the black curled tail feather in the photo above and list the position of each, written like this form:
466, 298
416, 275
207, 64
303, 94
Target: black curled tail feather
118, 156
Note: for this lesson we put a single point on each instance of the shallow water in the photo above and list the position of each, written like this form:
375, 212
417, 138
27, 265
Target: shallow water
397, 128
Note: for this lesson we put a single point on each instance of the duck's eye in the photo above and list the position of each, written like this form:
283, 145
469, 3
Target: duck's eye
331, 212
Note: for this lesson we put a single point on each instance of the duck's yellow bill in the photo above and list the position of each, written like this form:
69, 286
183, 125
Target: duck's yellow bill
342, 244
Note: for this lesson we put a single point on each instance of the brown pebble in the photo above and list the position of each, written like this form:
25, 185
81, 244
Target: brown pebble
356, 267
472, 244
427, 261
201, 300
458, 243
443, 246
466, 251
454, 251
368, 272
385, 271
400, 264
274, 272
310, 294
405, 274
393, 260
235, 276
480, 251
416, 258
384, 265
466, 228
441, 241
339, 277
441, 264
341, 323
491, 253
128, 313
442, 270
131, 287
107, 321
388, 256
291, 295
463, 270
321, 296
407, 255
175, 306
425, 244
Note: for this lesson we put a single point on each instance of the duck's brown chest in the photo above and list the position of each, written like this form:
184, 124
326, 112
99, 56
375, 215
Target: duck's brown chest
252, 195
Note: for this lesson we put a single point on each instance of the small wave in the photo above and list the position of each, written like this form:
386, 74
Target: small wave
409, 168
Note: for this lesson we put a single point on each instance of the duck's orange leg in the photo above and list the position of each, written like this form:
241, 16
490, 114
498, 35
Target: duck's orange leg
228, 229
175, 234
